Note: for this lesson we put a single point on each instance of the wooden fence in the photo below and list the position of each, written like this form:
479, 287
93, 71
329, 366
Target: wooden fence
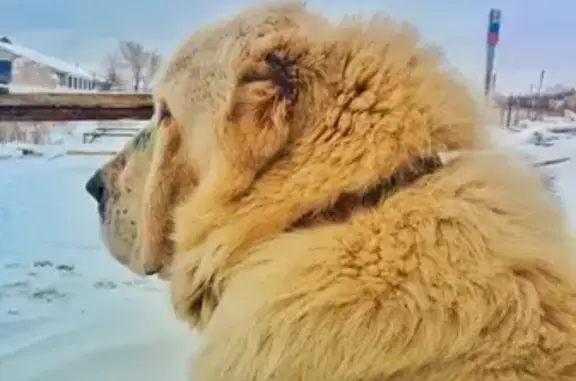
57, 107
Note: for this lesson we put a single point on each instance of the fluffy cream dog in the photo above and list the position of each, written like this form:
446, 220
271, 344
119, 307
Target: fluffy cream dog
290, 190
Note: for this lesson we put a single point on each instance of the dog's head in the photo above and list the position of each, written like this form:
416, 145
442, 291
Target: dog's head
270, 116
138, 189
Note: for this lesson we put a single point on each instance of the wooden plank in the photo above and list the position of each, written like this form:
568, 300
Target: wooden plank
98, 134
117, 129
57, 107
90, 153
551, 162
562, 130
110, 134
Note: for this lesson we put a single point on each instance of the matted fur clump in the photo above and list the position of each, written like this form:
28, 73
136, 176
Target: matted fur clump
290, 189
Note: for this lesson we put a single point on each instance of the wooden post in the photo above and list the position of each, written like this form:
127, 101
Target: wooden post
57, 107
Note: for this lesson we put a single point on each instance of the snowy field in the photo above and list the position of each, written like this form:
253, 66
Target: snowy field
68, 312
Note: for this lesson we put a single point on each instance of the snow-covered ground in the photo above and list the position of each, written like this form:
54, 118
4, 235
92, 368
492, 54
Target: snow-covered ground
68, 312
551, 147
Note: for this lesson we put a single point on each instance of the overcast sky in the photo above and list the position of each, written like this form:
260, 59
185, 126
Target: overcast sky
535, 34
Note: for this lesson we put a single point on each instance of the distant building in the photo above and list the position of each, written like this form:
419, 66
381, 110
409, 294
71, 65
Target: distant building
36, 71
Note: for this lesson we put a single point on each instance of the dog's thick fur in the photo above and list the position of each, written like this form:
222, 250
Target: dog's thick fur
460, 275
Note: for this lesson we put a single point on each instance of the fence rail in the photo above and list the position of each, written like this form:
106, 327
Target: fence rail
58, 107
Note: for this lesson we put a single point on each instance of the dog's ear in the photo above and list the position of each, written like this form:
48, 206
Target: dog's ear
169, 177
258, 121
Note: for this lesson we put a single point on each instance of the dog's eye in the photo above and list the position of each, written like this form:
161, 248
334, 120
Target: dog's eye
142, 140
164, 115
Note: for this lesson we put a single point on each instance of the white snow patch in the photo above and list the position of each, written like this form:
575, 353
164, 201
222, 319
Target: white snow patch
68, 311
68, 137
552, 143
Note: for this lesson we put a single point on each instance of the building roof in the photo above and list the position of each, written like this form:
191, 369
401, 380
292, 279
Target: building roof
51, 62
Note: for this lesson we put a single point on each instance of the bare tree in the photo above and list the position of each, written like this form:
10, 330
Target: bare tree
112, 73
136, 58
152, 67
131, 60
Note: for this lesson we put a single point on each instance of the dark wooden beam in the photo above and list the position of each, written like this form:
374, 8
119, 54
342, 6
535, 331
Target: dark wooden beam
551, 162
59, 107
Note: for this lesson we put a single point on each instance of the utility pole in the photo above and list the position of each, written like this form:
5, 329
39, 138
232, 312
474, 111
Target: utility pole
541, 83
531, 102
493, 83
539, 92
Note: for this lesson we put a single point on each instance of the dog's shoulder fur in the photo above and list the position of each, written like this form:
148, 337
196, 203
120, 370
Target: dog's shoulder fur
464, 276
461, 275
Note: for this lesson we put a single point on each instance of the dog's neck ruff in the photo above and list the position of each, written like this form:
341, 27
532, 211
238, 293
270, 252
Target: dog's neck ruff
348, 203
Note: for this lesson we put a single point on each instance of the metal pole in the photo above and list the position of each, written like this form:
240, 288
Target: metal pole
539, 94
490, 54
531, 103
493, 85
541, 83
492, 41
509, 114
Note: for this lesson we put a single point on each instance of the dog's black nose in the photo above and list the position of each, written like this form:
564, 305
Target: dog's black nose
96, 188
